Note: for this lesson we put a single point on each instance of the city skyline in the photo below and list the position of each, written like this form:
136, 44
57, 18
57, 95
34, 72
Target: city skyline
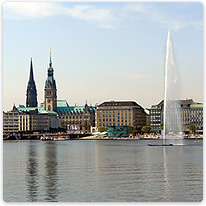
101, 51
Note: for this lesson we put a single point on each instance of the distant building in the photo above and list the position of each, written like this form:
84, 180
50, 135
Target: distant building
76, 118
31, 93
11, 121
157, 114
156, 117
148, 120
38, 121
120, 113
22, 119
196, 116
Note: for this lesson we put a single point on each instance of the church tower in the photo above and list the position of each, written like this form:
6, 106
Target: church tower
50, 91
31, 93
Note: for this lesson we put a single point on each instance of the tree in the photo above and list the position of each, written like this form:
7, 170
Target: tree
53, 129
161, 127
146, 129
192, 128
62, 129
102, 129
132, 129
139, 128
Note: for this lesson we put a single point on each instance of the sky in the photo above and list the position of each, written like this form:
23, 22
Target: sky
101, 51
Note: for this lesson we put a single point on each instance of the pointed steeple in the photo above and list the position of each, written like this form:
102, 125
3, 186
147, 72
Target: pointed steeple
31, 93
50, 91
50, 63
50, 73
31, 78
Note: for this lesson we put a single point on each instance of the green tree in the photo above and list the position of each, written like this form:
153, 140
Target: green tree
146, 129
132, 129
102, 129
139, 128
53, 129
62, 129
161, 127
192, 128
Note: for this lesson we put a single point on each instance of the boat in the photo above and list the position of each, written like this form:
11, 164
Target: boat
160, 145
54, 138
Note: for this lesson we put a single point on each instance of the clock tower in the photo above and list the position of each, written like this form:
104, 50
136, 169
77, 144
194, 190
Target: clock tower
50, 91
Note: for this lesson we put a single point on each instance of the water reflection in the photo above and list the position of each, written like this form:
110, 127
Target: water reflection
94, 171
51, 176
32, 172
166, 184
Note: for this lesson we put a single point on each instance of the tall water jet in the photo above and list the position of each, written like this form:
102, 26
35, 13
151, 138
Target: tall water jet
172, 115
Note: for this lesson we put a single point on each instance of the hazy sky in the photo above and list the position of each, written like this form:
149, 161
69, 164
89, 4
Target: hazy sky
101, 51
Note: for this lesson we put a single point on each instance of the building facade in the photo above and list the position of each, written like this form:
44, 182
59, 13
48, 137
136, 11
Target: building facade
31, 93
156, 117
22, 119
157, 114
120, 113
76, 118
11, 121
196, 116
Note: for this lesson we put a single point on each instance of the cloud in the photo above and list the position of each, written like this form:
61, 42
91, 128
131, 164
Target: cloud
105, 18
28, 9
149, 12
100, 17
91, 14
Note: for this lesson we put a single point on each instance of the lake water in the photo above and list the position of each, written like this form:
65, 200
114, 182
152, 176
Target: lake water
102, 170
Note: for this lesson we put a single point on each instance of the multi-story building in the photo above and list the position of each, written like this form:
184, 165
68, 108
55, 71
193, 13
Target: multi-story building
156, 117
76, 118
11, 121
157, 114
196, 116
23, 119
148, 120
120, 113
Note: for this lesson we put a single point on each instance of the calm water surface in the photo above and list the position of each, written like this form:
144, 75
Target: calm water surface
102, 170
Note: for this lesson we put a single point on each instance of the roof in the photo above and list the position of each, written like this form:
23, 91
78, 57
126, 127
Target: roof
118, 103
63, 106
47, 112
62, 103
196, 106
27, 109
182, 101
156, 107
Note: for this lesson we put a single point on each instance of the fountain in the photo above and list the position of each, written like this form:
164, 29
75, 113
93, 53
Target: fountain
172, 115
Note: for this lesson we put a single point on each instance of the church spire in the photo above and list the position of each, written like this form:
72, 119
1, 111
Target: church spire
31, 93
50, 63
31, 78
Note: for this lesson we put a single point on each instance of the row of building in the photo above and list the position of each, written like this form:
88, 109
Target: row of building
58, 113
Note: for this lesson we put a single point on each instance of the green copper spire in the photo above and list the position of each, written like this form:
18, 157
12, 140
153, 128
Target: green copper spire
50, 73
50, 64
